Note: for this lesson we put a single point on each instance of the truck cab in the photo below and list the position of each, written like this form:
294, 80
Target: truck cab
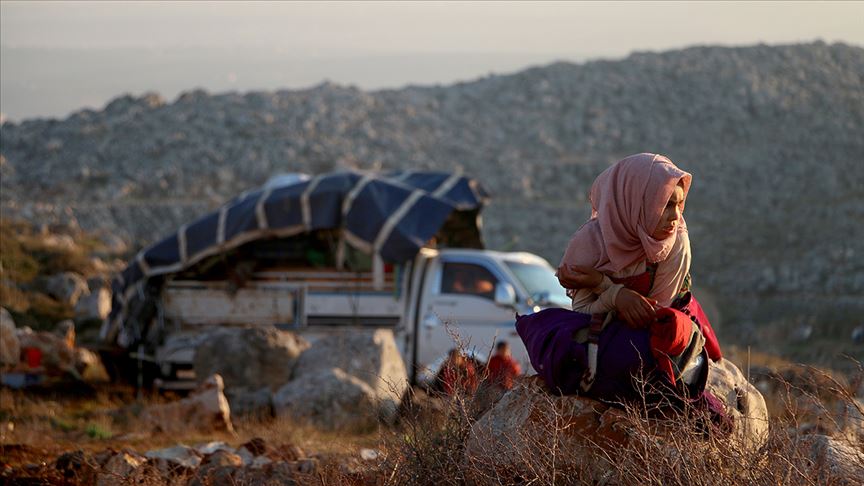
470, 298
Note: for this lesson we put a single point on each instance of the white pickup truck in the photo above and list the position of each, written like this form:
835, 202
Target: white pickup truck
442, 299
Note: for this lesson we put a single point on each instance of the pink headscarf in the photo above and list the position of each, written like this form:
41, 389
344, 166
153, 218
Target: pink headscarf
627, 201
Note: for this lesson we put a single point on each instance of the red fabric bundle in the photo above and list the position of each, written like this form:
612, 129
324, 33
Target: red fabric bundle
670, 335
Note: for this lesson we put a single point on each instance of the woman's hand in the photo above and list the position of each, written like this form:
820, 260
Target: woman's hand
636, 310
578, 277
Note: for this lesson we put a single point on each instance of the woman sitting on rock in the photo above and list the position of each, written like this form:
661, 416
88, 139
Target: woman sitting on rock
634, 253
627, 272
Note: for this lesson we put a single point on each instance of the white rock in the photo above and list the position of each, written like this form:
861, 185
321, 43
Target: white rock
246, 456
211, 447
179, 454
369, 454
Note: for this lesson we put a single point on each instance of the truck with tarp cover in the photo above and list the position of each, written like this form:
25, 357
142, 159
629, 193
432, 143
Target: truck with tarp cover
331, 253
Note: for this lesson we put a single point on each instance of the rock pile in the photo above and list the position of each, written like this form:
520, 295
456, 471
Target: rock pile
27, 352
212, 463
351, 379
776, 126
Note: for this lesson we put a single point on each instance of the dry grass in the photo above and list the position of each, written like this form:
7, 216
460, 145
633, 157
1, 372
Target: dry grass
675, 450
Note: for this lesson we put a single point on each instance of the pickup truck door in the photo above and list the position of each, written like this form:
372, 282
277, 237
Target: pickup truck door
459, 310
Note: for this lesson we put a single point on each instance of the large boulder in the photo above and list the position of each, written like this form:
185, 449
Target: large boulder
518, 436
369, 355
204, 410
10, 347
250, 358
744, 403
330, 399
521, 433
833, 461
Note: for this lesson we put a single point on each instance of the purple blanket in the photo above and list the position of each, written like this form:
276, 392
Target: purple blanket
560, 360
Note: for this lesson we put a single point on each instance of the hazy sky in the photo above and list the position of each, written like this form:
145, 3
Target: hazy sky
60, 56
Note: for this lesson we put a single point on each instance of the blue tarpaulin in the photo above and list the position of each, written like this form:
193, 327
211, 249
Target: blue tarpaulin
389, 216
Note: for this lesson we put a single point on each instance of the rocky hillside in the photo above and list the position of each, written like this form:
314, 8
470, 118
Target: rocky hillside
772, 135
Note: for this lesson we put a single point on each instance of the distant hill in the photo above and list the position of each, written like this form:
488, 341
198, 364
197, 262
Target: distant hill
774, 137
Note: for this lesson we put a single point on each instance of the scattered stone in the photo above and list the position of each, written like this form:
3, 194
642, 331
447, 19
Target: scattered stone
260, 461
118, 468
222, 457
246, 456
180, 454
221, 467
369, 454
251, 358
211, 447
206, 409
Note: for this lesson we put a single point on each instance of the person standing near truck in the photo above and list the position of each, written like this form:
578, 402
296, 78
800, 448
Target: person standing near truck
458, 375
502, 368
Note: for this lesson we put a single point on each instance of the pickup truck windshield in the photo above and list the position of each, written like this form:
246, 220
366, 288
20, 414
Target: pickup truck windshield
541, 283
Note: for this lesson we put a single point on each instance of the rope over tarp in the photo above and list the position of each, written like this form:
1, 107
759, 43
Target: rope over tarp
388, 216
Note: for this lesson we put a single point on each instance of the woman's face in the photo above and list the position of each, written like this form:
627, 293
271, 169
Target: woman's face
671, 216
